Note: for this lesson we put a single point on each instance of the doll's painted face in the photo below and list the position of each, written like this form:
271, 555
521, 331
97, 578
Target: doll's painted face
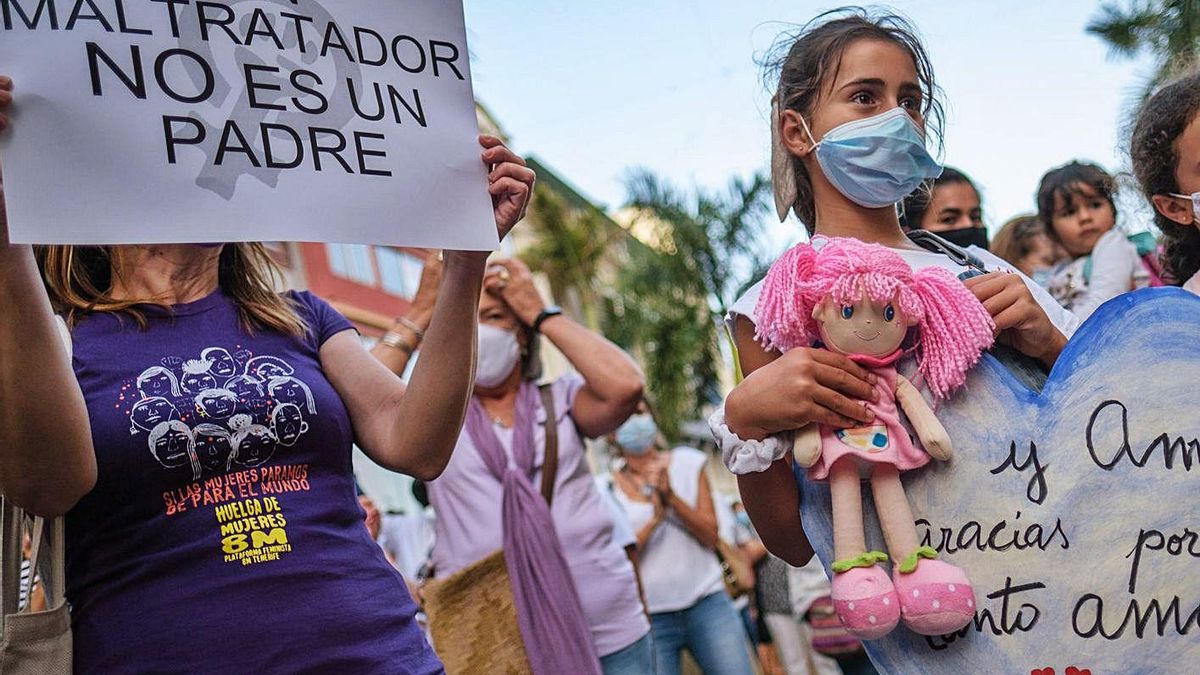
862, 328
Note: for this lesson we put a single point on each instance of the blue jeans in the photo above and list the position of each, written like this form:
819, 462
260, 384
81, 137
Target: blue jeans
710, 629
636, 659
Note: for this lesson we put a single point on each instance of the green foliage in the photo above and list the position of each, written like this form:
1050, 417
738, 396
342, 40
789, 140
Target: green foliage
570, 247
1168, 30
672, 295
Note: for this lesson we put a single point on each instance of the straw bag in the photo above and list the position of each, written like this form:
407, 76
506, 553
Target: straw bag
472, 614
33, 643
737, 573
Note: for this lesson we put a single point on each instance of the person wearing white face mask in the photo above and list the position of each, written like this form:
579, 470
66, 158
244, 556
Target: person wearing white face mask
574, 589
670, 506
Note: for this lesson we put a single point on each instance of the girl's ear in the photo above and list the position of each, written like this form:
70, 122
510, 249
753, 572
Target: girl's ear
794, 133
1177, 209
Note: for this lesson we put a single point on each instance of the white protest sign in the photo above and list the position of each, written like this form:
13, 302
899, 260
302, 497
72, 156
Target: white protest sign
1072, 511
138, 121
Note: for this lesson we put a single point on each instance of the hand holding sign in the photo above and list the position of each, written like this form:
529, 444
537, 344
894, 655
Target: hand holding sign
510, 183
1021, 323
5, 99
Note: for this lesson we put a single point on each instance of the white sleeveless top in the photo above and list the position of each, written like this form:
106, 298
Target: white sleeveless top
677, 570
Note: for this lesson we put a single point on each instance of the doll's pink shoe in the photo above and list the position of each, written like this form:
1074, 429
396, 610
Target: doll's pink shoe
864, 597
935, 597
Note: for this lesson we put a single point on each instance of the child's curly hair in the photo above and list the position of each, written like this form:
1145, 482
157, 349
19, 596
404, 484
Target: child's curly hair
953, 327
1155, 158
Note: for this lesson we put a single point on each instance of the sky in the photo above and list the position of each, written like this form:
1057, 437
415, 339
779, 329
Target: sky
594, 89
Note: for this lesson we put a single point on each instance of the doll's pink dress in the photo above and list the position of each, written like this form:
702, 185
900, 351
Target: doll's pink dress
885, 440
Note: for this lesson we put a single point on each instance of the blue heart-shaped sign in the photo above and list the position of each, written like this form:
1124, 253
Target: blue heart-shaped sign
1070, 510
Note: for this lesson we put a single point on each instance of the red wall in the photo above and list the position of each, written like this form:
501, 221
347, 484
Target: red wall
346, 292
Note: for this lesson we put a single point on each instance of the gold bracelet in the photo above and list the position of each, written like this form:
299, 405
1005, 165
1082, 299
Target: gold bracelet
397, 341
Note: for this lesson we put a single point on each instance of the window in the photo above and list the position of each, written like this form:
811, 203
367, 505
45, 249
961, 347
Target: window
352, 261
399, 272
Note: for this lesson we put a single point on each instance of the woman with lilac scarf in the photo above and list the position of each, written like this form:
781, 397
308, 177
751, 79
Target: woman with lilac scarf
575, 590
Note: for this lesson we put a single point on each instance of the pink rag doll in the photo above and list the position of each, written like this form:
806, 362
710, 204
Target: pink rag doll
864, 301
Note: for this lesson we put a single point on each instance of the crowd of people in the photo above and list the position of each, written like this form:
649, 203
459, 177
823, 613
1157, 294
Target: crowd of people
194, 426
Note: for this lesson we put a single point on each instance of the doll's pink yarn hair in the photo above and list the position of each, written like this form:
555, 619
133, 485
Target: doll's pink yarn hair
953, 326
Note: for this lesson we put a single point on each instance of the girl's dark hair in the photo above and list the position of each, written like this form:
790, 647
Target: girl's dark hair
801, 62
1064, 182
1155, 156
1015, 240
914, 206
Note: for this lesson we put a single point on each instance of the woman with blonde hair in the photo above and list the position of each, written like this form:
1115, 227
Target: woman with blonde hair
231, 571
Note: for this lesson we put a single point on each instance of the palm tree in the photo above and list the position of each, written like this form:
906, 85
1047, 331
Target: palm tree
571, 246
673, 293
1169, 30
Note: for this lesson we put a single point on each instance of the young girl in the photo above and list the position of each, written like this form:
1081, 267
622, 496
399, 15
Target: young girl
849, 79
1166, 159
1075, 205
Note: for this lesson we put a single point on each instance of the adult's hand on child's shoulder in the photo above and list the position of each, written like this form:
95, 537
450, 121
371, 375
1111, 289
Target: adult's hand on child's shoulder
1021, 323
801, 386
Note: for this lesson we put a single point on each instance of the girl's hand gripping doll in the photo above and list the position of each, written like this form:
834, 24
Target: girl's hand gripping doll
865, 302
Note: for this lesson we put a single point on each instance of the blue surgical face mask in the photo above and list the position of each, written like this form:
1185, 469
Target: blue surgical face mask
877, 161
637, 434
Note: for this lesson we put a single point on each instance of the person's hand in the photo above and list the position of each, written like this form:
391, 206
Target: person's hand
1021, 323
510, 183
6, 86
660, 505
801, 386
511, 281
431, 278
663, 484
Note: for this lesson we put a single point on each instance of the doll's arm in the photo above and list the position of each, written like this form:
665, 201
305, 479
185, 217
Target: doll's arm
929, 429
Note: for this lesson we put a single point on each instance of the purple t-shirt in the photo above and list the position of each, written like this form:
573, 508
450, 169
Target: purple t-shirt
224, 535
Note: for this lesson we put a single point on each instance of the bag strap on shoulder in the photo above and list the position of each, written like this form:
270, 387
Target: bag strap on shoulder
550, 462
932, 242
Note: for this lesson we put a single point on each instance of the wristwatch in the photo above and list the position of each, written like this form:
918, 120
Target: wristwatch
548, 312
